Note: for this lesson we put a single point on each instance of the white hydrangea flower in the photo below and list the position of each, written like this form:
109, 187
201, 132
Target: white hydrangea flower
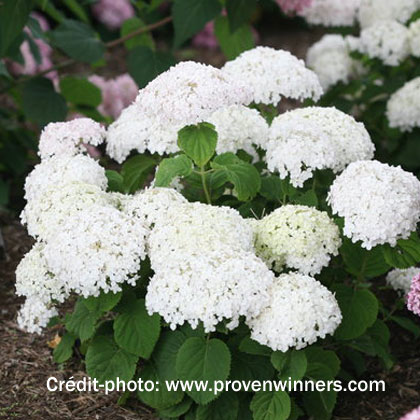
379, 203
34, 315
190, 92
297, 237
400, 279
331, 12
414, 38
330, 59
45, 215
63, 169
386, 40
69, 138
272, 74
403, 107
34, 278
307, 139
239, 127
97, 249
301, 310
373, 11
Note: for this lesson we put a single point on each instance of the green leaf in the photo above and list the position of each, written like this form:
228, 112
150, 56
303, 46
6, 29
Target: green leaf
322, 364
239, 12
199, 359
13, 17
242, 175
135, 171
405, 254
170, 168
136, 331
308, 198
115, 181
102, 303
233, 44
144, 64
248, 367
407, 324
77, 9
80, 91
361, 262
198, 142
380, 335
250, 346
3, 70
359, 309
82, 322
275, 405
145, 39
41, 103
319, 405
159, 398
105, 361
275, 189
226, 407
190, 16
64, 350
291, 364
176, 410
78, 41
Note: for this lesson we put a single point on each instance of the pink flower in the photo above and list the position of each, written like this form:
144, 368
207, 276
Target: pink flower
113, 13
413, 304
206, 38
117, 93
412, 415
293, 6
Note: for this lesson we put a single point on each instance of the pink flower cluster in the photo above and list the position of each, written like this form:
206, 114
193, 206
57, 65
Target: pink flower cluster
30, 65
117, 93
293, 6
412, 415
113, 13
413, 301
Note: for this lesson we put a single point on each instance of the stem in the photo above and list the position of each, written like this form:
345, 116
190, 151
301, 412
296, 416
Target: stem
203, 181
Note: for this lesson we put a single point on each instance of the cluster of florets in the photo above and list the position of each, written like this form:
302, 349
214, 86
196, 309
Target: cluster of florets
403, 107
412, 415
297, 237
413, 297
379, 203
113, 13
400, 279
293, 6
306, 139
414, 38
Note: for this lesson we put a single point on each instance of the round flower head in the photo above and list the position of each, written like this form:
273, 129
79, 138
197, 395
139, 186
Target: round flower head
113, 13
272, 74
70, 138
307, 139
297, 237
403, 107
34, 315
64, 169
46, 214
412, 415
400, 280
373, 11
239, 128
413, 297
379, 203
300, 311
331, 12
97, 249
386, 40
330, 59
414, 38
190, 92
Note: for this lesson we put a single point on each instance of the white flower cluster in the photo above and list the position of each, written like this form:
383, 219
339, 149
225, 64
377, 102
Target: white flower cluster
272, 74
400, 279
331, 12
403, 107
297, 237
34, 315
205, 268
373, 11
300, 311
190, 92
307, 139
414, 38
386, 40
379, 203
330, 59
70, 138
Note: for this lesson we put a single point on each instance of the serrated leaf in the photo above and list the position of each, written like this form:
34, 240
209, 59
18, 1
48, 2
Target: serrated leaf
78, 41
275, 189
199, 359
145, 39
136, 331
291, 364
82, 321
308, 198
64, 350
171, 168
320, 405
239, 12
275, 405
176, 410
135, 171
102, 303
190, 16
80, 91
250, 346
106, 361
405, 254
115, 181
248, 367
226, 407
321, 364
